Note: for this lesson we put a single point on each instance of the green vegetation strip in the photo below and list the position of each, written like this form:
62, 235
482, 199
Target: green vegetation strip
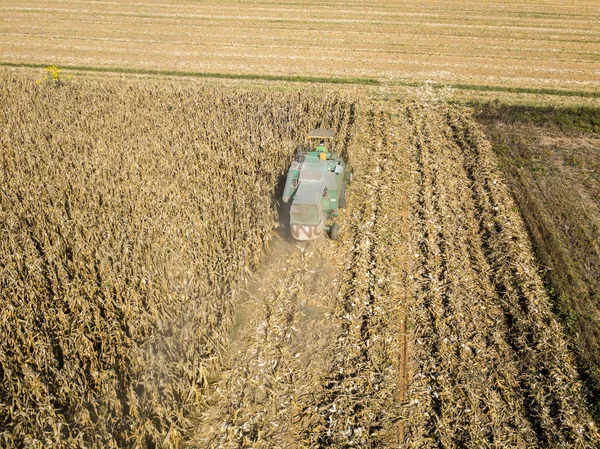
315, 79
526, 90
573, 119
516, 90
291, 78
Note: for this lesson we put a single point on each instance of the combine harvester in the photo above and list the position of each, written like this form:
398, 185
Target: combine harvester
316, 184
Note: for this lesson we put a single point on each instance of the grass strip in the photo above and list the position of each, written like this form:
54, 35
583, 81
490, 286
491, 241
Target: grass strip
314, 79
491, 88
290, 78
569, 119
528, 90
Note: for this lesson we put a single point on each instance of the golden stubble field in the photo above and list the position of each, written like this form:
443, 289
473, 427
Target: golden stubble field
549, 44
149, 299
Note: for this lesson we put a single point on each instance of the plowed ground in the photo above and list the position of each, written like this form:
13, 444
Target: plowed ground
321, 354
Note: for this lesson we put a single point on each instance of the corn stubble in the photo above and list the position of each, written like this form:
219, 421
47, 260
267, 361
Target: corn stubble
132, 210
492, 367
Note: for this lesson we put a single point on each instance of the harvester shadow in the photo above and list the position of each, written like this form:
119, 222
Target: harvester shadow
283, 211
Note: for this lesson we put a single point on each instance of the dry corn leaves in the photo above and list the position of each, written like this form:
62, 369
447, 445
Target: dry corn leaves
133, 212
129, 211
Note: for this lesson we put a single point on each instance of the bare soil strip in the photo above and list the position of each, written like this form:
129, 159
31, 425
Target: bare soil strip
550, 160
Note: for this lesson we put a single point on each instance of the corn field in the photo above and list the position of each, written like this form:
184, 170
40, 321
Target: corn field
148, 299
129, 212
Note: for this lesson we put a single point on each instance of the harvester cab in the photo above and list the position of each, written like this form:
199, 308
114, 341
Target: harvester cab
316, 187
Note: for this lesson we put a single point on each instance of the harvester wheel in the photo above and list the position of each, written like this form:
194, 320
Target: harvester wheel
334, 231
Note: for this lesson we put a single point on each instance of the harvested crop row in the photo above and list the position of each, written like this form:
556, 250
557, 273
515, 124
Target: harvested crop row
358, 402
453, 322
491, 364
128, 211
553, 399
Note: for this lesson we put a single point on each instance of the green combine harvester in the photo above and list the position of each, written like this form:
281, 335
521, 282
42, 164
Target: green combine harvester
316, 186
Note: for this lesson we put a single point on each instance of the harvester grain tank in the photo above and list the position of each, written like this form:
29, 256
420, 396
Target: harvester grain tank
316, 186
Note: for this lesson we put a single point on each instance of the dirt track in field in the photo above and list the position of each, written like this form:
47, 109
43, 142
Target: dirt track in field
425, 325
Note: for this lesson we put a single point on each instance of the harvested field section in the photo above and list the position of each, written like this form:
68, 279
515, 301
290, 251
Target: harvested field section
550, 157
492, 368
506, 43
128, 213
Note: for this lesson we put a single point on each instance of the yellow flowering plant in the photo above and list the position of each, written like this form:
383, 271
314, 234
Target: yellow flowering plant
52, 75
